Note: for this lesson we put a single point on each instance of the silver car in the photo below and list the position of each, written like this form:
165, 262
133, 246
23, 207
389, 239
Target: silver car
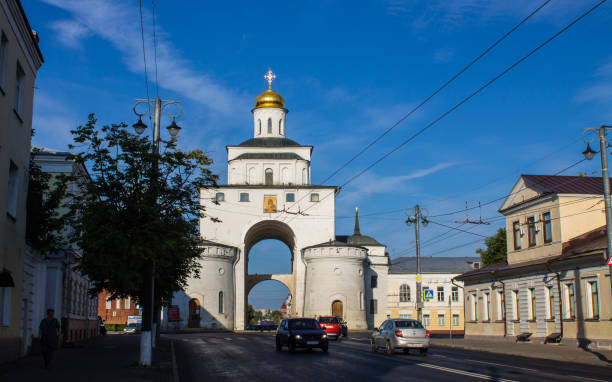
400, 333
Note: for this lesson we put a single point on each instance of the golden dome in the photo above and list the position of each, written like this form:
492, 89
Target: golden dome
269, 98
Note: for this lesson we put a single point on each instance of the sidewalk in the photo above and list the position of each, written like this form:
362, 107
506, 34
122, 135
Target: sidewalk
564, 353
109, 358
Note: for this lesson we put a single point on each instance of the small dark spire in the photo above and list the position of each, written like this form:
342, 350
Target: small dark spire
356, 233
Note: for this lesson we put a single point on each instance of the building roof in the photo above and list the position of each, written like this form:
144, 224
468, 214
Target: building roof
358, 240
269, 156
433, 264
566, 184
270, 142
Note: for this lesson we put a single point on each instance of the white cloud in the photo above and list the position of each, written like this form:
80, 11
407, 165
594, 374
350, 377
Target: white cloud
599, 91
113, 21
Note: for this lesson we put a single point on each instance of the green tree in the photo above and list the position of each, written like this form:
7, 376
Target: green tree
276, 316
46, 209
496, 251
133, 212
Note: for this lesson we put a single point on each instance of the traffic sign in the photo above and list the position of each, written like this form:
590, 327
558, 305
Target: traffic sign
428, 294
610, 261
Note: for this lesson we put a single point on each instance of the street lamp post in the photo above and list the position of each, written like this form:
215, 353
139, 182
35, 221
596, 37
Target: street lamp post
590, 154
147, 338
418, 218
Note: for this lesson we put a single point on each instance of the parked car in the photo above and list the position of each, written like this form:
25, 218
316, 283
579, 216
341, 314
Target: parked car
253, 327
300, 333
400, 334
268, 327
131, 328
344, 327
332, 326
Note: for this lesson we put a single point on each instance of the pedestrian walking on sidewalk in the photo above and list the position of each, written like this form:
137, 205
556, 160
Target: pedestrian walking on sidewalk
49, 336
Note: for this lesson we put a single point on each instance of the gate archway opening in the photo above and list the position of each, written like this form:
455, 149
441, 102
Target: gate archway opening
337, 309
194, 313
268, 300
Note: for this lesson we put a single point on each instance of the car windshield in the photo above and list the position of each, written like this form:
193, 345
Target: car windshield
328, 320
408, 324
304, 324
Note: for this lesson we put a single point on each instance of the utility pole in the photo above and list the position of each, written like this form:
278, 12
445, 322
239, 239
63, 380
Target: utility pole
589, 154
418, 218
148, 331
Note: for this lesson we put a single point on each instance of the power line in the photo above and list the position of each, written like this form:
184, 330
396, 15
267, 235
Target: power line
483, 87
457, 229
453, 78
438, 90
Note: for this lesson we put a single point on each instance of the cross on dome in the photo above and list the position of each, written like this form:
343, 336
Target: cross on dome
270, 77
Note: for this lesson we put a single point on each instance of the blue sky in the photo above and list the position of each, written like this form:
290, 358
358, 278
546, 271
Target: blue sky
347, 71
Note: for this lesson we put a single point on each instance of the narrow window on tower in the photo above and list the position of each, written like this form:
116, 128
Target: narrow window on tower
220, 302
269, 125
280, 126
259, 127
269, 178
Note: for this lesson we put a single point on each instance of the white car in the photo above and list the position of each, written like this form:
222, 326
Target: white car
131, 328
400, 333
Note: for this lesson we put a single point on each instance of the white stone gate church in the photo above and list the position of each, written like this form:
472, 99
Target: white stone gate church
269, 196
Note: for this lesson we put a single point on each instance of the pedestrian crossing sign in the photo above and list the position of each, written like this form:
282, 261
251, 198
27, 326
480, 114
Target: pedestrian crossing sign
428, 294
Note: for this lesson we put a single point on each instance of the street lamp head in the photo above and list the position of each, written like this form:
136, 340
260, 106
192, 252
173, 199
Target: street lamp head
409, 222
139, 126
173, 129
425, 222
589, 153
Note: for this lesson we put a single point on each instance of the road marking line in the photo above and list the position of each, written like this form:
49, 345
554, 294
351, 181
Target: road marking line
590, 379
497, 364
469, 374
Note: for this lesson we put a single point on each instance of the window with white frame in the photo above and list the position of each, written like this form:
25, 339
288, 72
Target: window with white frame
404, 293
456, 320
486, 314
290, 197
532, 303
13, 185
127, 303
426, 321
473, 306
515, 305
441, 320
114, 313
244, 196
440, 293
314, 197
220, 197
118, 306
405, 315
19, 90
592, 294
108, 303
5, 306
3, 60
500, 305
455, 294
570, 301
548, 291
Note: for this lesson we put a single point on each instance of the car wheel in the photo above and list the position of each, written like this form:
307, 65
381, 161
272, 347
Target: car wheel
291, 346
388, 348
324, 348
423, 351
279, 345
374, 348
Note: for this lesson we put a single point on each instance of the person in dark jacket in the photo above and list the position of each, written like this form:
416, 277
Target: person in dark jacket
49, 336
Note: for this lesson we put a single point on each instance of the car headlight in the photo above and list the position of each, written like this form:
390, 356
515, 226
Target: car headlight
324, 336
298, 337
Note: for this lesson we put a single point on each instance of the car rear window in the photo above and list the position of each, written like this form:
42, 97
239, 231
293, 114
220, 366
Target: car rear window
304, 324
328, 320
408, 324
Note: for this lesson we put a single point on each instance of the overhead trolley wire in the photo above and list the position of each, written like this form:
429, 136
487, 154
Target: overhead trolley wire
469, 97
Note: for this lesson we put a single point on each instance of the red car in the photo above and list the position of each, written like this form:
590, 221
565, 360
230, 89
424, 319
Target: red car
332, 326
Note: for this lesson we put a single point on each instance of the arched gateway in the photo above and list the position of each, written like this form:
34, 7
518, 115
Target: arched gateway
269, 196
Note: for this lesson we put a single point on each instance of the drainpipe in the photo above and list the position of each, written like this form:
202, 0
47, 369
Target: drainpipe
547, 264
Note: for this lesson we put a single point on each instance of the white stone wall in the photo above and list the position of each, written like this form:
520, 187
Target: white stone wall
275, 115
285, 172
336, 273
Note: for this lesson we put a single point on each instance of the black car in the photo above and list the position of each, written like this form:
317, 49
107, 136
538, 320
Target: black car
300, 333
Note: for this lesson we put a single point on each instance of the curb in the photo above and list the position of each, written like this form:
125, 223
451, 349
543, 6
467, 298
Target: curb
175, 375
515, 354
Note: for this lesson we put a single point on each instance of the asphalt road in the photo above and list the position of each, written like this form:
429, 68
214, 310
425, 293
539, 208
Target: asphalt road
252, 357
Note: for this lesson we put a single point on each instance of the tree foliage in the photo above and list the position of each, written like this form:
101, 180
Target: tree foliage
276, 316
134, 211
496, 251
47, 210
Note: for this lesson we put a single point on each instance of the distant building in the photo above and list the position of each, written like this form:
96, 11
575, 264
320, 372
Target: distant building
117, 311
555, 285
445, 311
52, 280
20, 59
